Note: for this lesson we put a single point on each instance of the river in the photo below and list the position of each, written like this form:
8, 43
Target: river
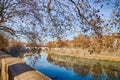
69, 68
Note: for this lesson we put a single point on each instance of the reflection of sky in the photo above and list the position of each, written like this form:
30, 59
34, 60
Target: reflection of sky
60, 73
54, 71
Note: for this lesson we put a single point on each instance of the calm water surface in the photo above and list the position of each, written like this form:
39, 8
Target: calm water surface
69, 68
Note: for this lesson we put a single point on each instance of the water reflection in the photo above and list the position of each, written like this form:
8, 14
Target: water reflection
68, 68
32, 58
82, 70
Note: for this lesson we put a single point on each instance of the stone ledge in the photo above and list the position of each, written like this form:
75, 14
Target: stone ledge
16, 69
21, 71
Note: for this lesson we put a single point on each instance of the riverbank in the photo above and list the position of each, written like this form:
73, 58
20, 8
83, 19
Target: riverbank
79, 53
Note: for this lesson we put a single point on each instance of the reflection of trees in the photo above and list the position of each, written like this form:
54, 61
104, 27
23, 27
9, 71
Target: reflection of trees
34, 58
59, 63
113, 74
63, 64
81, 70
106, 74
49, 59
98, 71
119, 74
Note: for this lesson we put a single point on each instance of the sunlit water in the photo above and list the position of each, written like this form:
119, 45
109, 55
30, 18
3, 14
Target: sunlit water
68, 68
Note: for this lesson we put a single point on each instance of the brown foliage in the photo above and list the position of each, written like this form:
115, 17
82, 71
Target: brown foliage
96, 44
15, 47
50, 44
3, 42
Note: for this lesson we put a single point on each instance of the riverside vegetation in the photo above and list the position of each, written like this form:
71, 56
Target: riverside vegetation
105, 47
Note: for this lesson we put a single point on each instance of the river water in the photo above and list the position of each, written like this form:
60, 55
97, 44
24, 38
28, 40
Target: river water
69, 68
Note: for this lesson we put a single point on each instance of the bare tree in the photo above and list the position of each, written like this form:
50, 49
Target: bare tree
5, 13
53, 17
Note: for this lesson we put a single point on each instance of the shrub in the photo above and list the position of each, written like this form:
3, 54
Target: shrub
14, 48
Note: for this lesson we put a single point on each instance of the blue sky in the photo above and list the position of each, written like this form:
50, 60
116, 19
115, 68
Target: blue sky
106, 10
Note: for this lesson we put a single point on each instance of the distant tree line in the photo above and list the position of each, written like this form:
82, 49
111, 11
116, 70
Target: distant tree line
14, 47
110, 43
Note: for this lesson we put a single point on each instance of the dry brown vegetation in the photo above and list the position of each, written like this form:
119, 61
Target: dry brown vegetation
14, 47
110, 43
3, 42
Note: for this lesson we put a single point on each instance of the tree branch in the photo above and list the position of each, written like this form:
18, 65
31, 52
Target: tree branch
6, 29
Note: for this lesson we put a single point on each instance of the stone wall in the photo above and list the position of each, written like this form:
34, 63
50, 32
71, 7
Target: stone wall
16, 69
115, 53
84, 53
